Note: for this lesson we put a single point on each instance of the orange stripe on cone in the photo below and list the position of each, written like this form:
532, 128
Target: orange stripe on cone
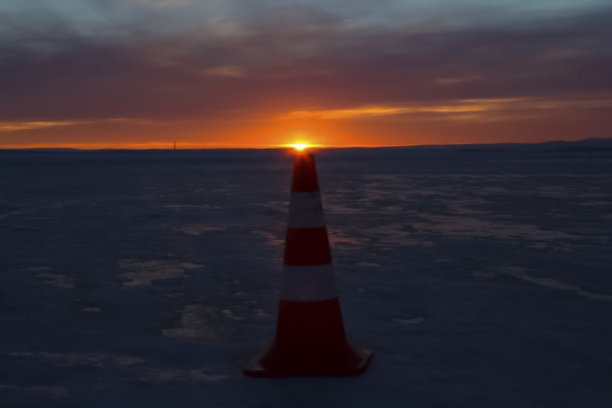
310, 338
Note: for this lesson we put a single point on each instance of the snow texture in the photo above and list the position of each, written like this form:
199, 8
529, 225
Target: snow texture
481, 278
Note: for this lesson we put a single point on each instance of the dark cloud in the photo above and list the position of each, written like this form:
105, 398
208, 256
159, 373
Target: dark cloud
289, 59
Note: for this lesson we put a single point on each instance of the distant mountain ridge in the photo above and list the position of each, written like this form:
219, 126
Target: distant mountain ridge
594, 144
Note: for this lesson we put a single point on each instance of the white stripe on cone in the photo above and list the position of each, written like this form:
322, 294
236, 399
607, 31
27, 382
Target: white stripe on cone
308, 283
306, 210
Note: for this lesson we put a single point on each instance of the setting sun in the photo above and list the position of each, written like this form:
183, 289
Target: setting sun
300, 146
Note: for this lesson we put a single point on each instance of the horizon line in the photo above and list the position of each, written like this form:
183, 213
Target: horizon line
158, 147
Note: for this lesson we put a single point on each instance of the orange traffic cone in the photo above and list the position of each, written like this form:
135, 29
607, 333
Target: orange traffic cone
310, 338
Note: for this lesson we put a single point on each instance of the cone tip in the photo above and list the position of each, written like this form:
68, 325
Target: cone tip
304, 173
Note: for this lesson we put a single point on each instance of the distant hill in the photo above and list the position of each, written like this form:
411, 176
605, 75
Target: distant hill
584, 145
558, 146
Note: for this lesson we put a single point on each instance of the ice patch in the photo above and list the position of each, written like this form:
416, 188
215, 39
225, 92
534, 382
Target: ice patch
203, 322
134, 367
394, 235
270, 238
57, 280
478, 227
91, 310
277, 205
462, 207
40, 390
77, 359
143, 273
332, 206
484, 274
339, 238
40, 269
9, 214
54, 279
415, 320
521, 273
539, 245
232, 282
198, 206
368, 265
198, 229
160, 376
228, 314
261, 314
392, 209
595, 203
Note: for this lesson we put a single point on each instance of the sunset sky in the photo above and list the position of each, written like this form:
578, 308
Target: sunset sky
231, 73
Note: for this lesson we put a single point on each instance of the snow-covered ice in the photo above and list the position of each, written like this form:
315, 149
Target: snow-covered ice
481, 278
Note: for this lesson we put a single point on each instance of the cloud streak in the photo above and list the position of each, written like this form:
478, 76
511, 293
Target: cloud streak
458, 108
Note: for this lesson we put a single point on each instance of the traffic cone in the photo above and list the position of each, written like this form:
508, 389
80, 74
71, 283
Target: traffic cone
310, 338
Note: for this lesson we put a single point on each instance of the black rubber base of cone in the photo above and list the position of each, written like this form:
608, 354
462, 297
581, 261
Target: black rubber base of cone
255, 368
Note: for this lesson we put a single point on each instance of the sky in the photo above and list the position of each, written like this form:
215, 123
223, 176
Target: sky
246, 73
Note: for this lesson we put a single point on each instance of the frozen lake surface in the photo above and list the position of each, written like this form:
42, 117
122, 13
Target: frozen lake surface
481, 278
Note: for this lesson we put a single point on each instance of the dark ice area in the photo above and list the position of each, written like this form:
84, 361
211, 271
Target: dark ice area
481, 277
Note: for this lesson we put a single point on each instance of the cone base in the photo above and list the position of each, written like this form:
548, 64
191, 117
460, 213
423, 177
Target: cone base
256, 368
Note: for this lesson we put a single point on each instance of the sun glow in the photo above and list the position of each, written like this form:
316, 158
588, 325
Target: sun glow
300, 146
